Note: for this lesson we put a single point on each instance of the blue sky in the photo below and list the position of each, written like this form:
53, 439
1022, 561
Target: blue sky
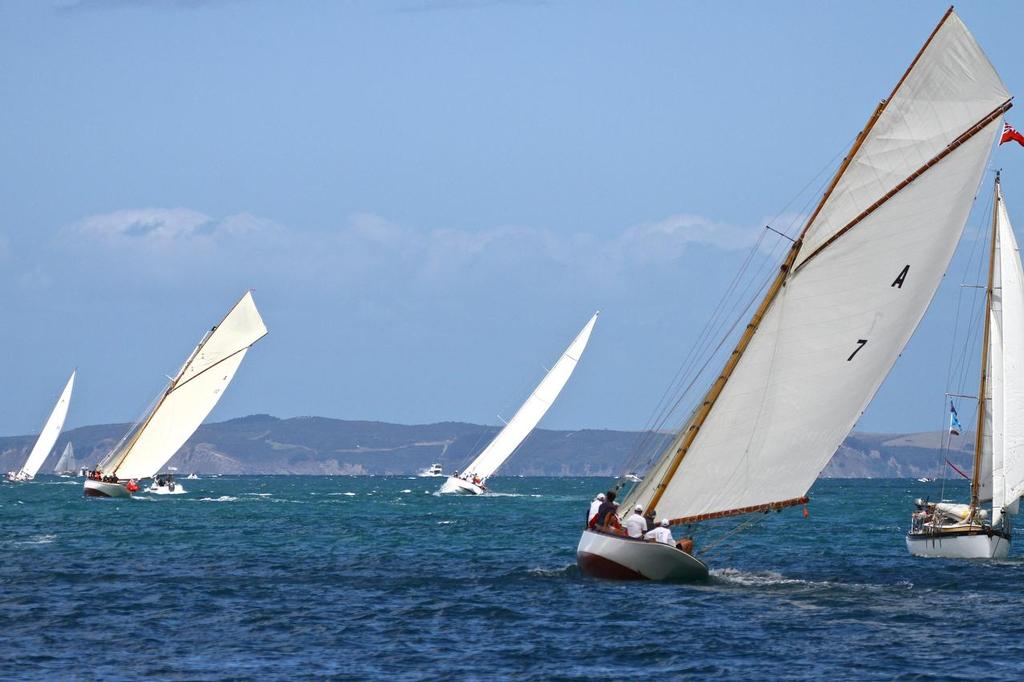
429, 198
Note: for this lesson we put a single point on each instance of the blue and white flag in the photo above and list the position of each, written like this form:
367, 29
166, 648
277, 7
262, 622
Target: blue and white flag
954, 423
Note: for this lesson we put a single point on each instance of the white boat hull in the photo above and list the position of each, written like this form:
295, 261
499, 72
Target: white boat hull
975, 544
457, 486
615, 557
103, 489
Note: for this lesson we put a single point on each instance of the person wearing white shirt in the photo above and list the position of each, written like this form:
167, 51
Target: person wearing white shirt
636, 524
594, 506
661, 534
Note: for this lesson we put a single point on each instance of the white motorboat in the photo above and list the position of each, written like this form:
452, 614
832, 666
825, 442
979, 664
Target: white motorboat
433, 471
192, 477
473, 479
183, 405
47, 437
164, 484
969, 531
846, 298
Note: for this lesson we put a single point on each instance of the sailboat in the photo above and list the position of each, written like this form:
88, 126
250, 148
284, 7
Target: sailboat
47, 437
967, 531
473, 479
182, 406
66, 465
845, 300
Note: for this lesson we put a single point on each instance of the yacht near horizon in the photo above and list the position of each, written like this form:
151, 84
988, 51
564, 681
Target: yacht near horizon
847, 297
47, 437
473, 479
180, 409
968, 531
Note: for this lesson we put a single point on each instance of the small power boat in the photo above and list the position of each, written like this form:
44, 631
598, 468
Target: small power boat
433, 471
164, 484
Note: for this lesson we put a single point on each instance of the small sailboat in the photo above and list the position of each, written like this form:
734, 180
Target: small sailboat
969, 531
182, 406
473, 479
66, 465
433, 471
845, 300
47, 437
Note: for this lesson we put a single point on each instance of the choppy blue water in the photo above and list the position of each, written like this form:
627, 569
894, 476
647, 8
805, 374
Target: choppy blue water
310, 577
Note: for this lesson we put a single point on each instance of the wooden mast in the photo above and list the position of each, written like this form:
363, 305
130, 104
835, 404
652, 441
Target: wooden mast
776, 286
979, 431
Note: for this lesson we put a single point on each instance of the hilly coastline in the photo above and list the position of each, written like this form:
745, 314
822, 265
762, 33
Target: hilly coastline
262, 444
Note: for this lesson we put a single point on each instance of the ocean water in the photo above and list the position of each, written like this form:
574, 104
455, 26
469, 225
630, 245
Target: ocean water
368, 578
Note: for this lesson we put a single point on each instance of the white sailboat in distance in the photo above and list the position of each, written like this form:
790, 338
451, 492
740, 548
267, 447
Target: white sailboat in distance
845, 301
183, 405
473, 479
66, 465
967, 531
47, 437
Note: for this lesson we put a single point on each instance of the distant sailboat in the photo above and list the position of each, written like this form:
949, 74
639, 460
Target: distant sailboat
47, 437
966, 531
66, 465
845, 301
183, 405
473, 479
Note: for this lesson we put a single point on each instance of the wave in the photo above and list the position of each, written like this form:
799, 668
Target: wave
222, 498
37, 540
773, 579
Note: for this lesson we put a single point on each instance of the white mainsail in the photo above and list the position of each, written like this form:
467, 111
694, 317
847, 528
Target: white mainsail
852, 291
190, 397
531, 412
50, 433
67, 460
1006, 349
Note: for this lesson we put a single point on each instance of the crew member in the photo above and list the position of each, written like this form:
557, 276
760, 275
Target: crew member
594, 506
636, 524
661, 534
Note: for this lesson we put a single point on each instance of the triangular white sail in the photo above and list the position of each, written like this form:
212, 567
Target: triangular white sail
66, 463
50, 433
853, 291
531, 412
1008, 371
190, 397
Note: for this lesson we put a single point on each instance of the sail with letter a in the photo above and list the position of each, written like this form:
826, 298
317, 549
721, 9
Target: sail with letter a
848, 297
50, 433
189, 397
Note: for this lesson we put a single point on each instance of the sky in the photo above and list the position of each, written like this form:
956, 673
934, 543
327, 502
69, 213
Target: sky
429, 198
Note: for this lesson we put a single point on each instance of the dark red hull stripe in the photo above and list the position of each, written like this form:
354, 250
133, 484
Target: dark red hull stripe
599, 567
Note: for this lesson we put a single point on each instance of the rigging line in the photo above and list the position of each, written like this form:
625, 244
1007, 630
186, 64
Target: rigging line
663, 410
697, 351
752, 521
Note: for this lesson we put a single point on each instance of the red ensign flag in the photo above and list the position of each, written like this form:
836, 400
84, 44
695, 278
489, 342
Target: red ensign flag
1010, 133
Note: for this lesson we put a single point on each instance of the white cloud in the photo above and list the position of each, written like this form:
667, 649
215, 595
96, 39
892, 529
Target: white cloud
367, 248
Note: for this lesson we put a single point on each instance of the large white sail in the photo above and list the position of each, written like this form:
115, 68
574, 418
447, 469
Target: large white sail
1008, 484
67, 460
191, 395
50, 433
531, 412
860, 280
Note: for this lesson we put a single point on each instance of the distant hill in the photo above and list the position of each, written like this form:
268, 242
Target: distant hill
261, 444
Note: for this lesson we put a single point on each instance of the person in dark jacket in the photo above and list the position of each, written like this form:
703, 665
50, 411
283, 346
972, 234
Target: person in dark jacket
606, 512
